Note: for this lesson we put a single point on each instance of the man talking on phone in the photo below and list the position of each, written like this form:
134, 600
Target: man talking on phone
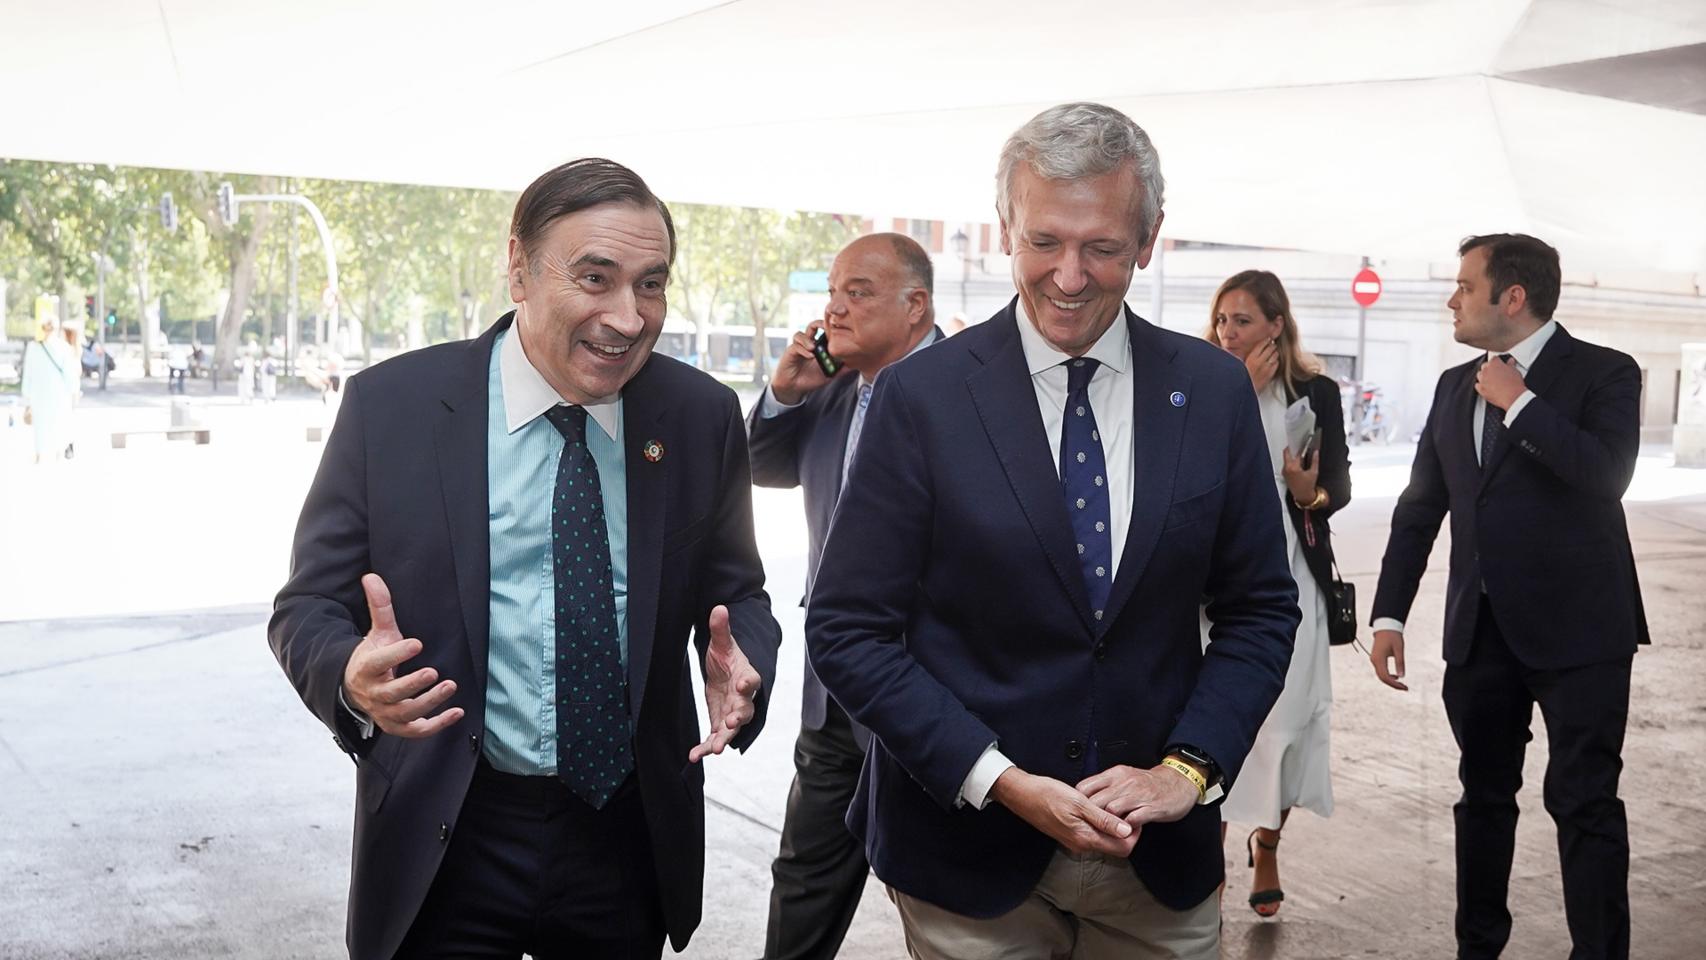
804, 433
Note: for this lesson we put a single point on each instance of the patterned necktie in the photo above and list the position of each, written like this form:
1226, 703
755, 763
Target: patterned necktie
594, 750
854, 431
1084, 479
1492, 425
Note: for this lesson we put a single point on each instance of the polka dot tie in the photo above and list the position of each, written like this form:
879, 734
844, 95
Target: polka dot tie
1492, 426
1084, 479
594, 749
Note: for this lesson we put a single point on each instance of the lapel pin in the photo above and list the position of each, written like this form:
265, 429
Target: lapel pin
653, 451
1177, 398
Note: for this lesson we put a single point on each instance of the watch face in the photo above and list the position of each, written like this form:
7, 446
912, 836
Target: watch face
1209, 767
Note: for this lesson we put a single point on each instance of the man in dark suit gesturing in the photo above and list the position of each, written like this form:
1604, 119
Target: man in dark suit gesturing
1529, 447
1009, 595
805, 432
492, 587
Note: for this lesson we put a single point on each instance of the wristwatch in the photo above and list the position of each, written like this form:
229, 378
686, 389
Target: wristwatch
1204, 765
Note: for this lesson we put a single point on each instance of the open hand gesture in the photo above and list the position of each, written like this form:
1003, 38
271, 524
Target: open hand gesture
731, 685
399, 705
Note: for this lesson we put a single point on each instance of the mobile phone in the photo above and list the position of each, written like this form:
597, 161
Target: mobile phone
1310, 451
820, 349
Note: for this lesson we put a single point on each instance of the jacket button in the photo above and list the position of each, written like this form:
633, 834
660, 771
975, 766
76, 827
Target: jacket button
1101, 650
1074, 750
443, 832
473, 744
339, 743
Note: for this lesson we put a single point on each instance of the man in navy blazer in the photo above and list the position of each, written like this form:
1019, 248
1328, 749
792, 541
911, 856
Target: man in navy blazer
804, 432
492, 587
1529, 447
1009, 597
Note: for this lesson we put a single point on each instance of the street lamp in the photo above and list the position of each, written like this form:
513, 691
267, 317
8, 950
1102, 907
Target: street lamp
467, 312
962, 244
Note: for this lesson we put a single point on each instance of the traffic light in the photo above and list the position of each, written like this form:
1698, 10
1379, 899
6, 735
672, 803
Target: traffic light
227, 204
112, 316
89, 307
168, 213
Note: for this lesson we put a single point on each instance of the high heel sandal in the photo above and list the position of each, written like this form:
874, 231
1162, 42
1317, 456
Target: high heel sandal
1266, 903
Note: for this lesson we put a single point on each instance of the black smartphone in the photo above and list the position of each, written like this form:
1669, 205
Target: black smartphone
820, 349
1312, 451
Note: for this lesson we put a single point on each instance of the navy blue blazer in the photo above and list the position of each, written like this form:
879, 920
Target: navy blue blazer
401, 491
950, 613
1542, 527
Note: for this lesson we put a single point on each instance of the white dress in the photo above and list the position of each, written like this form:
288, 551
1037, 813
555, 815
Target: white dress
1288, 765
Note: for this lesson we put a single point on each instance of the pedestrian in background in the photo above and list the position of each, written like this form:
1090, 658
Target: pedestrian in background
1288, 765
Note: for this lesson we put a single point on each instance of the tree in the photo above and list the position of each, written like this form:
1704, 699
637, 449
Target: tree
775, 245
750, 252
238, 246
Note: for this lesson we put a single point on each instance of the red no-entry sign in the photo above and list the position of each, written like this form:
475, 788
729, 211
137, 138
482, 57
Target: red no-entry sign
1365, 289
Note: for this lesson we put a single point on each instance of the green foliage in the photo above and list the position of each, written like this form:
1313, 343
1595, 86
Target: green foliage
740, 257
406, 254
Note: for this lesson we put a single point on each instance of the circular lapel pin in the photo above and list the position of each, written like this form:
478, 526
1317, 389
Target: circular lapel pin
653, 451
1177, 398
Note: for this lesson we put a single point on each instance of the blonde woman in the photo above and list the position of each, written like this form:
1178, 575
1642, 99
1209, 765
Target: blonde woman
1288, 765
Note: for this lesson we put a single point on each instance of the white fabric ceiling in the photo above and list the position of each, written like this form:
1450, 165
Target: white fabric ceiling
1387, 128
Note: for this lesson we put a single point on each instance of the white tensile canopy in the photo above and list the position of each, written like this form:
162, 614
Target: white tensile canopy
1388, 128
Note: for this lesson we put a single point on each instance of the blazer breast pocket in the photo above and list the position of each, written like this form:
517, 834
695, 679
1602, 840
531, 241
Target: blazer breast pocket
686, 535
1183, 513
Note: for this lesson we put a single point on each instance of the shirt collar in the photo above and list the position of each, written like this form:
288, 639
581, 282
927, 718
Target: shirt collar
1528, 351
1112, 349
929, 338
526, 395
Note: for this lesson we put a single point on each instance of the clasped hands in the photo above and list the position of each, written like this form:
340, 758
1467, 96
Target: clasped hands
408, 704
1104, 813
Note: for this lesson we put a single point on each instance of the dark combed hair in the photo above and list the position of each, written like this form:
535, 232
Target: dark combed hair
580, 185
1519, 260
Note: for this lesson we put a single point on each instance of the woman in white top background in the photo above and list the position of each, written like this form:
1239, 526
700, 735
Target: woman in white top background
1288, 765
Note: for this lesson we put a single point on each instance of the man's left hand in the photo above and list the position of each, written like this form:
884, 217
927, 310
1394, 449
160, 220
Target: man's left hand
1156, 795
731, 685
1499, 383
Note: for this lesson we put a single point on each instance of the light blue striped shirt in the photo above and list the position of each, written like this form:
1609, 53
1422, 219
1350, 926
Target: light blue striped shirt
522, 450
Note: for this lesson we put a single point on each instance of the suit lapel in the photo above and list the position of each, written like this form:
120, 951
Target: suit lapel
837, 420
459, 437
1461, 422
1007, 405
1157, 436
643, 421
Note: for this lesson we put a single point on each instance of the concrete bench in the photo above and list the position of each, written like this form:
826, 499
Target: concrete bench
201, 435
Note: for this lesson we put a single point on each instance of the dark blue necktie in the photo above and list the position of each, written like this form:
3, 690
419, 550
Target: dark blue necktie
1084, 479
594, 752
1492, 423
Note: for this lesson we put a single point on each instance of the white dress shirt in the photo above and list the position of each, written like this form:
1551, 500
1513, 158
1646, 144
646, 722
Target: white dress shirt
1111, 397
1523, 355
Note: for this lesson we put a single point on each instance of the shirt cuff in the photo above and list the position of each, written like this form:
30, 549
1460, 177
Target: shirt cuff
981, 779
769, 406
363, 721
1517, 405
1387, 623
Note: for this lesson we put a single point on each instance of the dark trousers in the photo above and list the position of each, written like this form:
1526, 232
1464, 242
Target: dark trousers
532, 869
1490, 702
819, 873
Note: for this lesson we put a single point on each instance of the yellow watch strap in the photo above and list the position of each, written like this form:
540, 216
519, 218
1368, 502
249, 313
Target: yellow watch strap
1188, 772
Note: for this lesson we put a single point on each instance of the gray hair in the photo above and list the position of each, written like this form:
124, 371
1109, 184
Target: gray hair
1078, 140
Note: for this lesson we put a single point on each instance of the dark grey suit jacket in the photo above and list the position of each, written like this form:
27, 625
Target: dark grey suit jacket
806, 447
